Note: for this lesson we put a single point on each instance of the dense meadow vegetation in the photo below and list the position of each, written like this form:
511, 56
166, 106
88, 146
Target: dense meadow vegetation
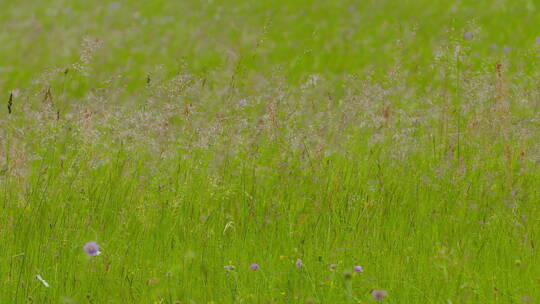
269, 151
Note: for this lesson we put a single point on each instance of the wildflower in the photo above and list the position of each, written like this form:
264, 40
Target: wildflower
358, 269
254, 267
298, 263
228, 268
378, 294
468, 35
92, 249
506, 49
242, 102
114, 6
538, 40
333, 266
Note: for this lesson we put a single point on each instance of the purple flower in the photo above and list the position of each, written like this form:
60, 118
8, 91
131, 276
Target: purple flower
92, 249
254, 267
358, 269
242, 102
538, 40
228, 268
298, 263
378, 294
468, 35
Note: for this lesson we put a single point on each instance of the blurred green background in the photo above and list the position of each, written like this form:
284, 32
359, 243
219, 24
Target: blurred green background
297, 37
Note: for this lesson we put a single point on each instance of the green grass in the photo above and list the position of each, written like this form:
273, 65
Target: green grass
374, 133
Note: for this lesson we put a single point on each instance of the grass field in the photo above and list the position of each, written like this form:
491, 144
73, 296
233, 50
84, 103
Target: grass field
257, 151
